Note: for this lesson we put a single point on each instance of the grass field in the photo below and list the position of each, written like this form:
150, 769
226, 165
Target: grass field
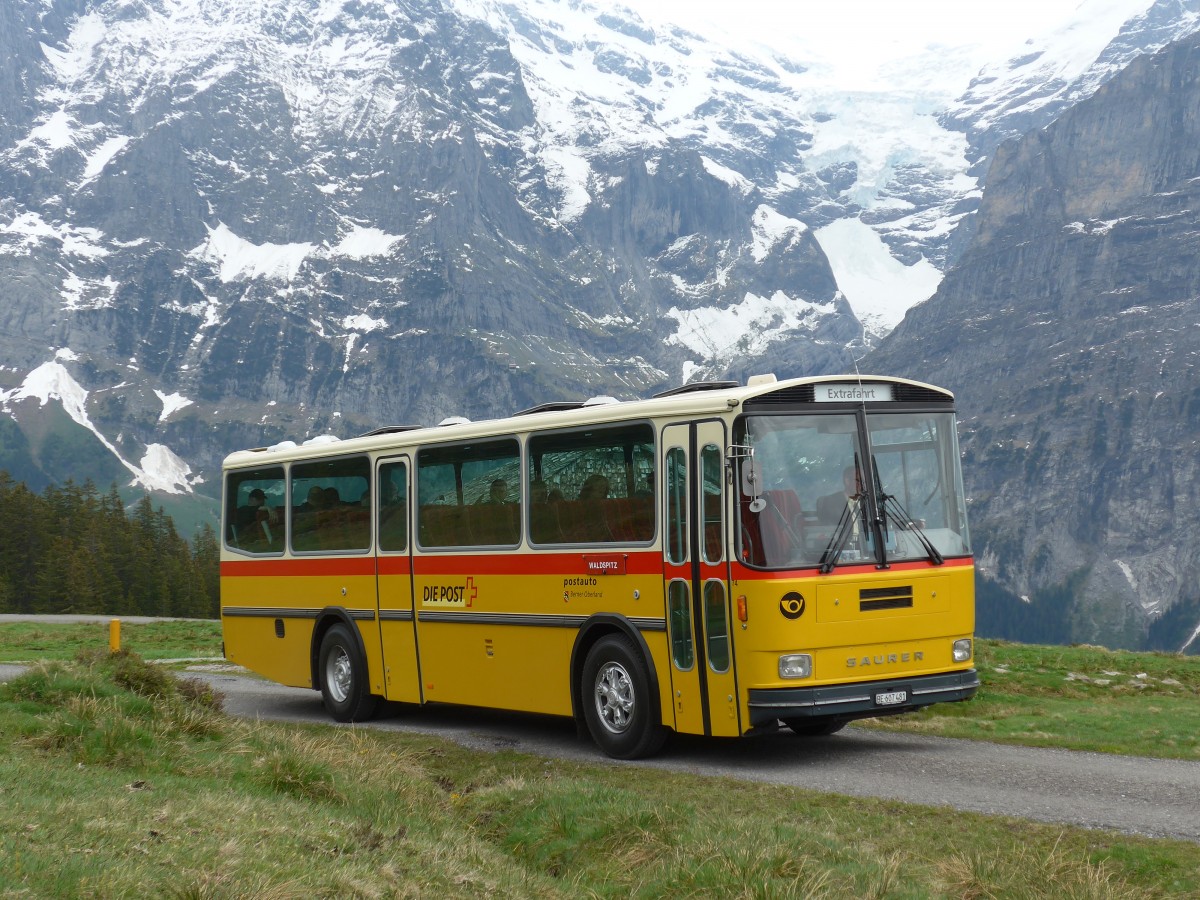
119, 780
163, 639
1081, 698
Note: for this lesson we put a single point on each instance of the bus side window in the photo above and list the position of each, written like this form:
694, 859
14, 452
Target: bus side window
592, 487
322, 519
469, 495
676, 506
393, 506
254, 500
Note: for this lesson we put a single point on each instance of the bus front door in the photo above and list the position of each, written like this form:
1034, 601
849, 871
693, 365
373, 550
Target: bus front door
696, 572
397, 628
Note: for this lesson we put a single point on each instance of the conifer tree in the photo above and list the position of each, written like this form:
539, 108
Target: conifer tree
24, 538
206, 559
51, 587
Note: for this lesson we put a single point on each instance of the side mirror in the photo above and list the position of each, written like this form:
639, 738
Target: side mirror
752, 483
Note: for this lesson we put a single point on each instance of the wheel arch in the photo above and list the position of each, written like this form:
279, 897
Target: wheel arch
326, 619
592, 630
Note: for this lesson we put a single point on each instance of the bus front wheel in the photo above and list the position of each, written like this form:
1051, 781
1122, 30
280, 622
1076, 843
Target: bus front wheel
615, 691
343, 675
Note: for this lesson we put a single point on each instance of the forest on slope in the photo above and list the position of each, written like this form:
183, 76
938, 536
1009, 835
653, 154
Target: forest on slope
73, 549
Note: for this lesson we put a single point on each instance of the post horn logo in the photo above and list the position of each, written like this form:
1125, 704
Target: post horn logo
792, 605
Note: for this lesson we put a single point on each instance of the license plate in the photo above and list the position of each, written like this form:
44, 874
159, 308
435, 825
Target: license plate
891, 698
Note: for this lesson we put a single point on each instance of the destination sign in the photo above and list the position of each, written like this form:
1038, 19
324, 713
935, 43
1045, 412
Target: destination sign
853, 393
612, 564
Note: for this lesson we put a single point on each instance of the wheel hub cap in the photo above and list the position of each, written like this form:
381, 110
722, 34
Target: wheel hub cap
340, 677
615, 701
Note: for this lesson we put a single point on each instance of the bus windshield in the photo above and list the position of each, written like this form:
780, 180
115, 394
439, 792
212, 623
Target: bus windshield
823, 489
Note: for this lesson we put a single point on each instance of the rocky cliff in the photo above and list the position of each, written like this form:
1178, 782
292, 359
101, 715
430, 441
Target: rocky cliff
228, 223
1069, 333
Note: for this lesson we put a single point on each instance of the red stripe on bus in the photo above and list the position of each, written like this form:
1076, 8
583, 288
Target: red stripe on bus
451, 564
309, 566
530, 564
394, 565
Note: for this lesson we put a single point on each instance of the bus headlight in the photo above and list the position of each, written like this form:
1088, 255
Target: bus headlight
795, 665
962, 650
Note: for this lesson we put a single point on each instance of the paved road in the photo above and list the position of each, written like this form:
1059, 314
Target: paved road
1153, 797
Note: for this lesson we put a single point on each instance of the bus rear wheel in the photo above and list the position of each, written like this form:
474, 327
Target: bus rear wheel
616, 696
343, 675
814, 727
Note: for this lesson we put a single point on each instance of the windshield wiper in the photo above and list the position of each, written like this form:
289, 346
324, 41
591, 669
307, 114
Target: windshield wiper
892, 509
841, 534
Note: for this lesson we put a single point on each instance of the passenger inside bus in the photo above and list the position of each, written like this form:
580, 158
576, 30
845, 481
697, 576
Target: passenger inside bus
831, 506
255, 522
315, 501
594, 488
497, 492
254, 510
305, 519
585, 521
543, 513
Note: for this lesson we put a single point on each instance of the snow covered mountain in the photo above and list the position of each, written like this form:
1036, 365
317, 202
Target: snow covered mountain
847, 164
225, 223
1055, 71
884, 166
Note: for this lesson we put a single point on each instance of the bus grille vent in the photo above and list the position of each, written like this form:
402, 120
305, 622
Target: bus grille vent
803, 393
911, 393
871, 599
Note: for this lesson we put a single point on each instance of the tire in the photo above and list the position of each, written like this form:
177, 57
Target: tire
815, 727
343, 676
618, 705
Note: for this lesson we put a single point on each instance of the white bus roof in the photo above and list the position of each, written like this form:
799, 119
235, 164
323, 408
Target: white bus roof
688, 401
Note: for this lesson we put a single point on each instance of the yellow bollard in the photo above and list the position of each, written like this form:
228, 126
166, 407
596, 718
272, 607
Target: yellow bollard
114, 636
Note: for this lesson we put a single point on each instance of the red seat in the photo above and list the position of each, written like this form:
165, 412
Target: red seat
769, 536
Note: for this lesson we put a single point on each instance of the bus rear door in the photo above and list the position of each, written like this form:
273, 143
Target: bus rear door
397, 627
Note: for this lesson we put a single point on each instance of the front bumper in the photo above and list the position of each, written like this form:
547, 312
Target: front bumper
861, 699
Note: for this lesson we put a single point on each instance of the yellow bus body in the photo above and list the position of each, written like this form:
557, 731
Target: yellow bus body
849, 644
501, 628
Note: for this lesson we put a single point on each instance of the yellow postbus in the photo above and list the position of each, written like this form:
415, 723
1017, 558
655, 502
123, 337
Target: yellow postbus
714, 560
